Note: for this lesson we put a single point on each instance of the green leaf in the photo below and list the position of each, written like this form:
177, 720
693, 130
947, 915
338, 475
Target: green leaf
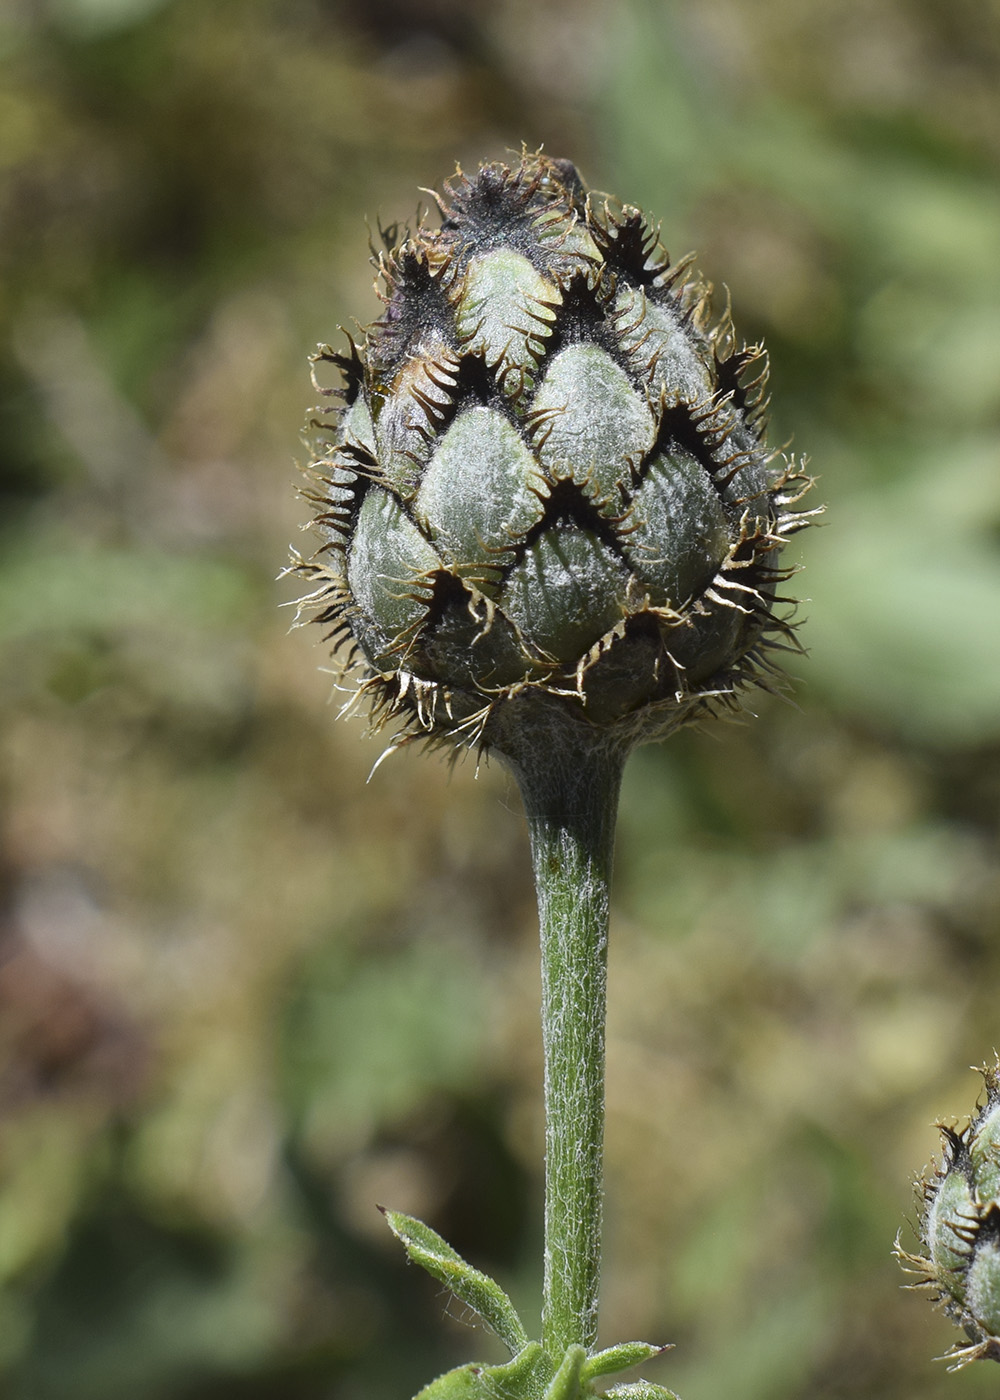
619, 1358
478, 1291
520, 1379
639, 1390
566, 1383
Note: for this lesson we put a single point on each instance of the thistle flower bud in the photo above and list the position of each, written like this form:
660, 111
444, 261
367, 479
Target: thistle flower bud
960, 1228
548, 481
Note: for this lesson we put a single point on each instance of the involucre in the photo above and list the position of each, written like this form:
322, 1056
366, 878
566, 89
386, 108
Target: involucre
960, 1228
547, 482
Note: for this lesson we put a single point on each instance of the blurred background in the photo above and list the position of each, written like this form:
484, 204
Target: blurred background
244, 996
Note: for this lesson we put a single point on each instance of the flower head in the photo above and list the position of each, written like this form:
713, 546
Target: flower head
547, 481
960, 1228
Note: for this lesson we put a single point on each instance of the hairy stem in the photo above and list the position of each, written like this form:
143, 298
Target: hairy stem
570, 779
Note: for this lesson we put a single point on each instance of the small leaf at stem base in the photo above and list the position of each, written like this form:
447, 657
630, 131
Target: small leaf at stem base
619, 1358
639, 1390
520, 1379
566, 1383
477, 1290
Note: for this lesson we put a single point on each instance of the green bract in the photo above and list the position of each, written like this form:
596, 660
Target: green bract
960, 1228
548, 479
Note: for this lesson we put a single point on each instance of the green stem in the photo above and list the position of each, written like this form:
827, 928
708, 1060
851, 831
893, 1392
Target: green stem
570, 779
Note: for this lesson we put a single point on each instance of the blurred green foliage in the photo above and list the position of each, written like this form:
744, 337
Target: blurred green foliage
244, 997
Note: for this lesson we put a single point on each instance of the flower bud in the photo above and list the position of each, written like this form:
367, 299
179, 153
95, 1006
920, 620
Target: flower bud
960, 1228
548, 480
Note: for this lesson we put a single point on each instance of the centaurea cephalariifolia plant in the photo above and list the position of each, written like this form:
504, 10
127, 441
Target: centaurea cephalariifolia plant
551, 531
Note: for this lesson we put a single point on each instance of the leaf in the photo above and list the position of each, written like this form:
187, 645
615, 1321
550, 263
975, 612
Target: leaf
477, 1290
566, 1383
639, 1390
619, 1358
520, 1379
